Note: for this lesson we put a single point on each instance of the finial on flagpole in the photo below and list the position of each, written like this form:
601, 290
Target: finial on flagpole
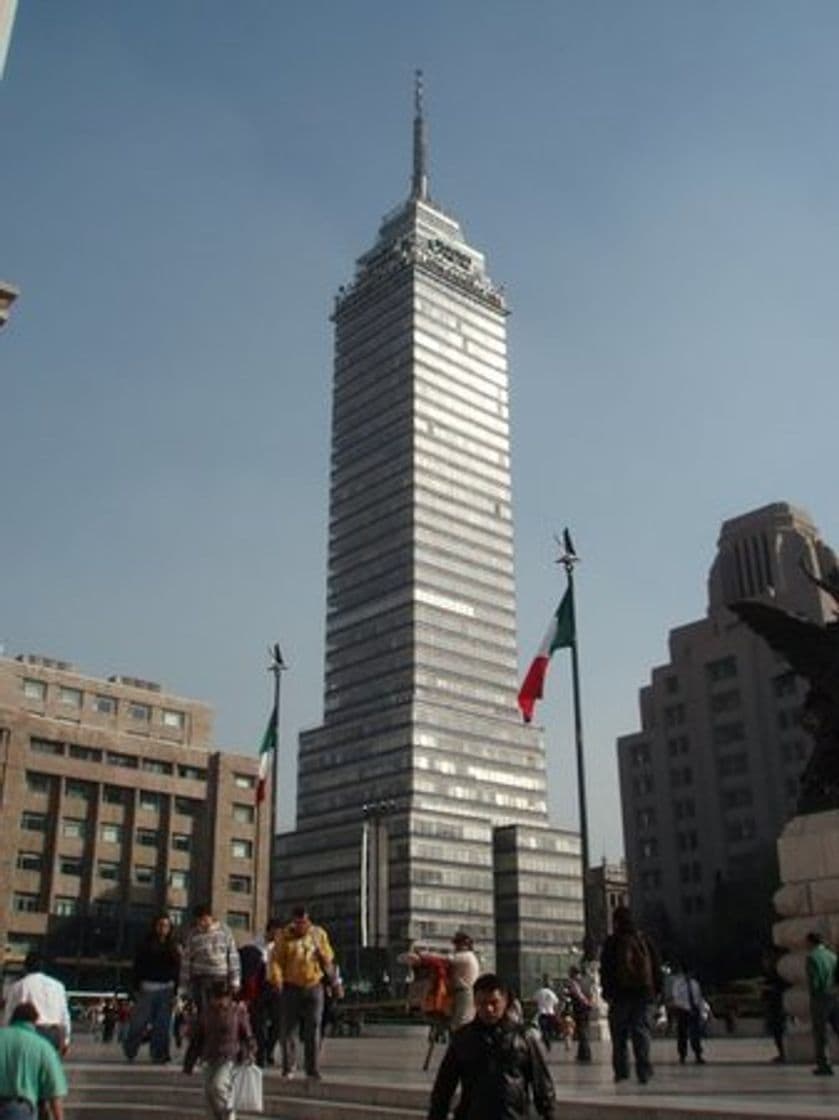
568, 554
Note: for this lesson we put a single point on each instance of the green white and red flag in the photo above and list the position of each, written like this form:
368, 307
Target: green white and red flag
267, 751
559, 635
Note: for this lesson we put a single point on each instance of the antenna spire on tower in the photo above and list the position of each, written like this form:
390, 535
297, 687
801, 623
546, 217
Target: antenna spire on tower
419, 179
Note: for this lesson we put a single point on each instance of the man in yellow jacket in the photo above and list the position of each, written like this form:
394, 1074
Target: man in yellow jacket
300, 960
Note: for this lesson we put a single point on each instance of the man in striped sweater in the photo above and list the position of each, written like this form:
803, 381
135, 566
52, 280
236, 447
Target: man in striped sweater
210, 954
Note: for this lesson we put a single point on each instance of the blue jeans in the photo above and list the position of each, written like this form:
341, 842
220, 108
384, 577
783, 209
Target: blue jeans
628, 1019
155, 1008
17, 1110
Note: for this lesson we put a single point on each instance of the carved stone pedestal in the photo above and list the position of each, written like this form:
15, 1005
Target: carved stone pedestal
808, 899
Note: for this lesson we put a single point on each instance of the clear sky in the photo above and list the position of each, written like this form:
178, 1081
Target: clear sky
184, 186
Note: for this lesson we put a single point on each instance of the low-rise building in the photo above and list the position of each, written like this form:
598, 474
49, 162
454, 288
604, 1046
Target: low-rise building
115, 807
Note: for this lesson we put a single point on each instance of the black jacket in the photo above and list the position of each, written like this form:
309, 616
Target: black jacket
495, 1067
159, 961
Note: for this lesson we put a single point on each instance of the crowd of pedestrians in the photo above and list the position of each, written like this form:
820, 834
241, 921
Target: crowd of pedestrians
237, 1008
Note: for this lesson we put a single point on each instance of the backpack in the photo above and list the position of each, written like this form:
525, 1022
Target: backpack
429, 992
634, 963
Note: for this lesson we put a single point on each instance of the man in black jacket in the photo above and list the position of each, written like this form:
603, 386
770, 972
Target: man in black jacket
631, 979
495, 1061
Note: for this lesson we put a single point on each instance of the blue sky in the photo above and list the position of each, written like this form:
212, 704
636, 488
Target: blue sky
185, 185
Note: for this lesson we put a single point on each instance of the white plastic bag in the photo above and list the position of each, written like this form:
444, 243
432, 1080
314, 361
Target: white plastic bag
247, 1088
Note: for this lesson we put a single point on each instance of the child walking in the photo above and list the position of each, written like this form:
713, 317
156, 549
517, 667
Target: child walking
222, 1039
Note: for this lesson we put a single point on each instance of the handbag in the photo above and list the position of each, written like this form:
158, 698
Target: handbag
247, 1088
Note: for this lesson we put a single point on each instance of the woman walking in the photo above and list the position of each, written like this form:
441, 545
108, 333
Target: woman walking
157, 963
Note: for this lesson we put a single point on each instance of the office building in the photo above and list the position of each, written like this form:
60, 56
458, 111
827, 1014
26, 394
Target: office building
713, 774
114, 808
422, 752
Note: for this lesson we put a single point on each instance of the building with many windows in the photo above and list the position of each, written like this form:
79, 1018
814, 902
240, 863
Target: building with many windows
115, 807
422, 753
713, 774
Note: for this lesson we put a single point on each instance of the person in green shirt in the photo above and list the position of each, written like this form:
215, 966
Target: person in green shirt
824, 1009
30, 1070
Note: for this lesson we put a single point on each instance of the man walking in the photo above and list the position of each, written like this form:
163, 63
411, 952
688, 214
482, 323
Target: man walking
547, 1005
821, 983
31, 1075
496, 1062
298, 961
686, 1003
49, 998
210, 955
630, 974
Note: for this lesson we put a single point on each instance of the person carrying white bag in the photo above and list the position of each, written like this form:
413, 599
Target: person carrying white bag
224, 1042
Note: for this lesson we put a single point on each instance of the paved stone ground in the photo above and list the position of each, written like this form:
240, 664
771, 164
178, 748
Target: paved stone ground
738, 1079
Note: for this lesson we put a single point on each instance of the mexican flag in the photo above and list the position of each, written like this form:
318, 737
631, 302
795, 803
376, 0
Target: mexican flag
267, 749
560, 635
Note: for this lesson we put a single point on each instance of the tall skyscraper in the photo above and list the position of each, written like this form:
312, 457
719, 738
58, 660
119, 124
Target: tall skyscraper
422, 752
713, 774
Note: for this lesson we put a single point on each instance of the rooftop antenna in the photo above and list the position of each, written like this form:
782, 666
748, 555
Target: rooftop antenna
419, 179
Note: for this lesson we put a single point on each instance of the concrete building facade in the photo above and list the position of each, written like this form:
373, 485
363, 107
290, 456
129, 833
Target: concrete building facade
712, 776
115, 807
607, 888
421, 734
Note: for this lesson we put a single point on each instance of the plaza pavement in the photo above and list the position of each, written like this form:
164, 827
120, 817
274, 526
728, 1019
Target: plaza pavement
379, 1077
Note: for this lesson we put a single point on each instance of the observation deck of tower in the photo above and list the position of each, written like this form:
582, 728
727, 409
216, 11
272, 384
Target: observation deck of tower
421, 733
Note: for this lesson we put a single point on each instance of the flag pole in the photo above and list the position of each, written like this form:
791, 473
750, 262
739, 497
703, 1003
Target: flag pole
568, 559
276, 666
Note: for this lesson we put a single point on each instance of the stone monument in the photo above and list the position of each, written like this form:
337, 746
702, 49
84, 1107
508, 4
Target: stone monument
808, 848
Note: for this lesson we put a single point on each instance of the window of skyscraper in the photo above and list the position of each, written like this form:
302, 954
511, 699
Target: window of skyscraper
721, 669
38, 783
725, 733
106, 705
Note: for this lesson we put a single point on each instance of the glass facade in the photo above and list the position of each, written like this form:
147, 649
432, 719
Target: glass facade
421, 738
